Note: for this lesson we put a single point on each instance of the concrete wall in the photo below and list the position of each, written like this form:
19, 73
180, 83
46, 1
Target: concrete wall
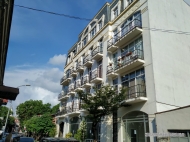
176, 120
170, 52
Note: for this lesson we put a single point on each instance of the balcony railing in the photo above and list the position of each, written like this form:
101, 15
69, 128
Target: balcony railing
110, 69
87, 79
78, 84
73, 71
136, 91
79, 66
62, 94
128, 57
87, 59
98, 49
71, 88
64, 78
125, 30
63, 112
97, 73
73, 108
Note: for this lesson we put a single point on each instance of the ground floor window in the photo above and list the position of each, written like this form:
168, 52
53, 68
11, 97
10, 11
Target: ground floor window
135, 126
74, 125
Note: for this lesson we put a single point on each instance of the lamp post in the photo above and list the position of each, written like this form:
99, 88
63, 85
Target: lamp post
24, 85
7, 118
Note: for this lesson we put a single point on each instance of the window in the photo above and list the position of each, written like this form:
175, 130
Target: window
129, 1
136, 83
115, 12
100, 42
84, 41
100, 24
93, 32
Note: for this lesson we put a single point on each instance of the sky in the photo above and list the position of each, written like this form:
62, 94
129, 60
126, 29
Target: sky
39, 43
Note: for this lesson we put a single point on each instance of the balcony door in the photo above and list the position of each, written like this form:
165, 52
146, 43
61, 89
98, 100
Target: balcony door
135, 81
89, 75
99, 71
81, 79
115, 61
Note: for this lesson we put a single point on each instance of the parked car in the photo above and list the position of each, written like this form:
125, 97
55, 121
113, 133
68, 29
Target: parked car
14, 137
50, 139
26, 139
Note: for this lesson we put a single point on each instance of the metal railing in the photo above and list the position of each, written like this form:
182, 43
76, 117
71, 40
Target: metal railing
138, 90
110, 69
71, 88
129, 57
125, 30
73, 70
98, 49
79, 65
78, 84
65, 77
87, 58
62, 94
63, 112
97, 73
87, 79
73, 108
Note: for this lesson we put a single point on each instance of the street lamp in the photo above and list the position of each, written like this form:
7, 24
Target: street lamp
24, 85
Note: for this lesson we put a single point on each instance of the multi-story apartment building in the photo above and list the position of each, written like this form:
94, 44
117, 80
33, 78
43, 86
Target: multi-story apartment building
135, 43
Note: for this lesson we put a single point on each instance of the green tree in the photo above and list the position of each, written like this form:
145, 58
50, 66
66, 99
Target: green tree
30, 108
40, 126
104, 101
81, 132
55, 109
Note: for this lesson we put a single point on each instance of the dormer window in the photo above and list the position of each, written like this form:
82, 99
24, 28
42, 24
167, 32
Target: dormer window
115, 12
100, 24
93, 32
84, 41
129, 1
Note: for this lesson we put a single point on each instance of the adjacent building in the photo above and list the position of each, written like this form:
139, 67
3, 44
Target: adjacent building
6, 11
141, 44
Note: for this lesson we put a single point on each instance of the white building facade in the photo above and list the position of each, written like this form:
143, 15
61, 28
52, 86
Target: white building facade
141, 44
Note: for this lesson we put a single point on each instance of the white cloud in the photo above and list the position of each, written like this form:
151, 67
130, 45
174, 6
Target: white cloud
58, 59
45, 84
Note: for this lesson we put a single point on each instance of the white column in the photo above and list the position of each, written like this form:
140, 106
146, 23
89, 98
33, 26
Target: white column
152, 126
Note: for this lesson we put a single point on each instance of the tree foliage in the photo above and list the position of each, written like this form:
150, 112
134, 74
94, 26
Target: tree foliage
103, 102
81, 132
55, 109
39, 126
31, 108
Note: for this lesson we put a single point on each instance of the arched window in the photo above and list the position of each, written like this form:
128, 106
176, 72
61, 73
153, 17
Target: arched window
135, 126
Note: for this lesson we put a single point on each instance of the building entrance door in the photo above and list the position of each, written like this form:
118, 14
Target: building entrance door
136, 125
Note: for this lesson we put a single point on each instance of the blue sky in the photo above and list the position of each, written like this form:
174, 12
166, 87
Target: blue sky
39, 43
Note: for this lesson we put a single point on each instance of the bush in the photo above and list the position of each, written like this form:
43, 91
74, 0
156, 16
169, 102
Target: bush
68, 135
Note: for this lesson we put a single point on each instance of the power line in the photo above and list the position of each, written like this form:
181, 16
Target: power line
58, 14
79, 18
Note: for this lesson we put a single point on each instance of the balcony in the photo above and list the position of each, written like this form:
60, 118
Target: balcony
126, 34
97, 76
78, 85
73, 109
73, 72
71, 90
129, 61
135, 94
97, 53
80, 67
110, 71
61, 113
65, 79
86, 81
87, 60
63, 95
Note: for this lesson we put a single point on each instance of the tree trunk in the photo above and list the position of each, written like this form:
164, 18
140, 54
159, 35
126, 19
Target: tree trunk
94, 131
